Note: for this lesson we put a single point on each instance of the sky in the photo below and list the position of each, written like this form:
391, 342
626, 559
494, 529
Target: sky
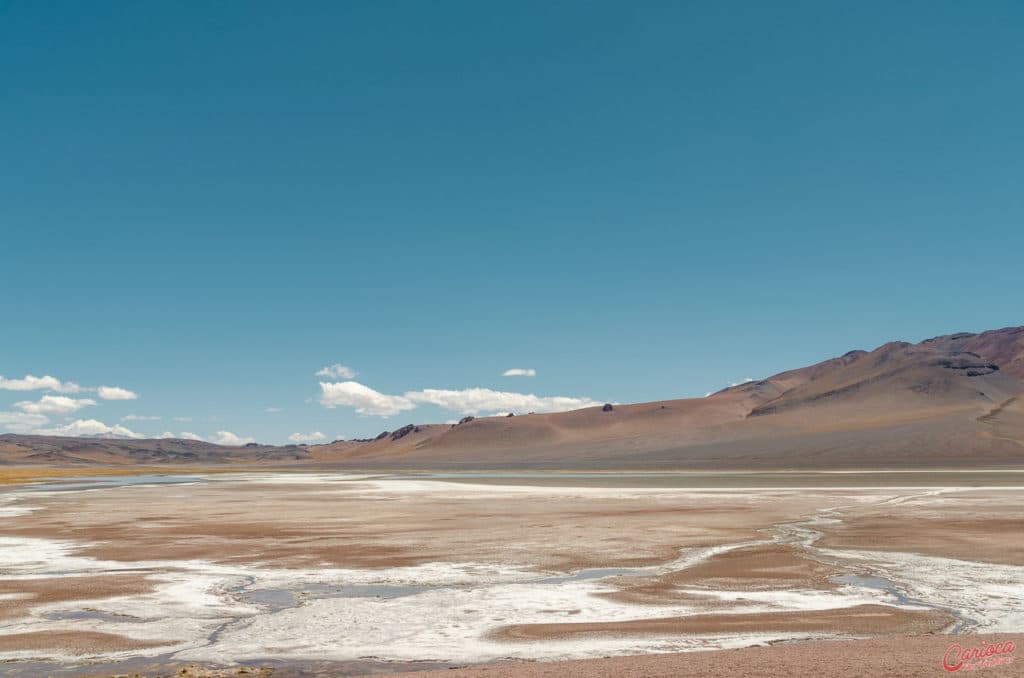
316, 220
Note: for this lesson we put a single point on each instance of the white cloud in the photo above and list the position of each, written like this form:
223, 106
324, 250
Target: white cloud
520, 372
336, 371
116, 393
182, 418
22, 422
477, 400
184, 435
139, 417
363, 398
273, 410
231, 440
306, 437
466, 401
49, 404
90, 427
31, 383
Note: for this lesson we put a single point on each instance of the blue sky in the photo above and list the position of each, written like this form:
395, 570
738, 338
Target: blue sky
207, 203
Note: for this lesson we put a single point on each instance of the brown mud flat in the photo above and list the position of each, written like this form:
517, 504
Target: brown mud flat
861, 620
987, 536
767, 567
73, 642
343, 524
293, 522
33, 592
891, 656
751, 479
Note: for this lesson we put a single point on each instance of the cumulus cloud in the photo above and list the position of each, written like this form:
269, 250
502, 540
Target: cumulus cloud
520, 372
32, 383
139, 417
90, 427
336, 371
478, 400
22, 422
116, 393
184, 435
363, 398
49, 404
230, 439
306, 437
474, 401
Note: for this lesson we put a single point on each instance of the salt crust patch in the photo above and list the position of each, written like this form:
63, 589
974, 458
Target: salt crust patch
196, 599
449, 624
8, 509
988, 595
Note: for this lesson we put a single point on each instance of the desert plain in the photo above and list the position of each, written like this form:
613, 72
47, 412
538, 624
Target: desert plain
340, 573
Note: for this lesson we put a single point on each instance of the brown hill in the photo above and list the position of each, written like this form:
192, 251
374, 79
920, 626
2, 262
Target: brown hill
951, 401
1003, 347
901, 405
55, 450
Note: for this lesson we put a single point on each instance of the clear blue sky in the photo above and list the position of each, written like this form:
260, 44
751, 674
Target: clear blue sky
205, 203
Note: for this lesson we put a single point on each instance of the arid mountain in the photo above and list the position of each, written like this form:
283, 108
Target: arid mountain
952, 401
946, 402
1003, 347
22, 449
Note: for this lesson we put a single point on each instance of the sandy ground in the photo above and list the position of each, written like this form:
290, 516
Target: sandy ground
861, 620
353, 524
25, 594
292, 569
72, 642
901, 657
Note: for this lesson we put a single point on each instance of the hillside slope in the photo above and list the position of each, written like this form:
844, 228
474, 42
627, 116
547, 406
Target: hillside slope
901, 405
951, 401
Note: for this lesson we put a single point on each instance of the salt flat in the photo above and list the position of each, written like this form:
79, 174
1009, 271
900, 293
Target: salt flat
356, 571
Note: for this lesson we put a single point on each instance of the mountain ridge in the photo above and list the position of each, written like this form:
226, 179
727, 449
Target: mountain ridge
952, 400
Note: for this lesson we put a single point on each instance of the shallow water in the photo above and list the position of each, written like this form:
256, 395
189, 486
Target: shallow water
76, 615
280, 599
598, 573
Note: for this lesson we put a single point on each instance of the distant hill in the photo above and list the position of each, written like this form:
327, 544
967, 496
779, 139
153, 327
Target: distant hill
952, 401
55, 450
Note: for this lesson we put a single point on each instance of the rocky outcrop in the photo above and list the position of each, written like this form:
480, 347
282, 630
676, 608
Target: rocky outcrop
402, 432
